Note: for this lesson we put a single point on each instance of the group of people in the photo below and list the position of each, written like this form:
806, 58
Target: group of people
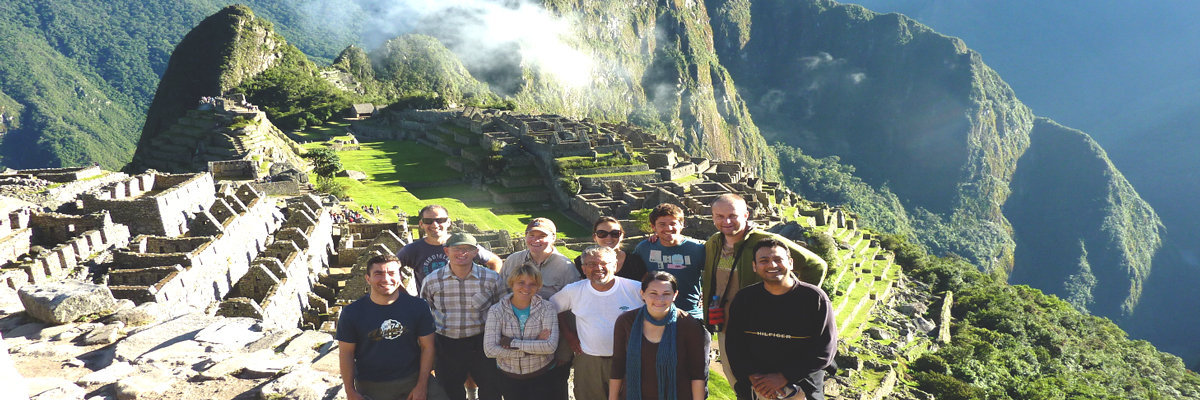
631, 325
347, 215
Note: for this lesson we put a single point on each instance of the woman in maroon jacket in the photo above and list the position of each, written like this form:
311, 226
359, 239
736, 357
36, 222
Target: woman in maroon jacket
660, 352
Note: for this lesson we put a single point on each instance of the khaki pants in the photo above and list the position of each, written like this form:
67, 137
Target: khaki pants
398, 389
591, 377
725, 359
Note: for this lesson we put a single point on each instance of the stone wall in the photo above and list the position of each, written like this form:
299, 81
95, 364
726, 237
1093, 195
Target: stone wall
63, 175
281, 188
152, 203
234, 170
206, 271
280, 281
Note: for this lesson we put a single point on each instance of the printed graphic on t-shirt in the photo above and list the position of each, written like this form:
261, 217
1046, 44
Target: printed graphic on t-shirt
433, 264
673, 261
388, 330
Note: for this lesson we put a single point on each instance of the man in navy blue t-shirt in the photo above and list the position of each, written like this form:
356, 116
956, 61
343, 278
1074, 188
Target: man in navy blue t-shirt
427, 255
385, 340
668, 250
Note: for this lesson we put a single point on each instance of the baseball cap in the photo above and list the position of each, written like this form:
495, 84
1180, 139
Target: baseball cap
541, 224
460, 238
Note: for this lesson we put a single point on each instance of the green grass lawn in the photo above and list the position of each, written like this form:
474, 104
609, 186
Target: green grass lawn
323, 132
390, 164
686, 179
718, 387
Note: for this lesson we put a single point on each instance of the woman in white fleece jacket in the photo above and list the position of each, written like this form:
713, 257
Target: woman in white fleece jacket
521, 333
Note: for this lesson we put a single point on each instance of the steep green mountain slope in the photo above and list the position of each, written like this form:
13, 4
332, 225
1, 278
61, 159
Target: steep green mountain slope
60, 115
920, 114
223, 51
63, 58
1068, 220
1015, 342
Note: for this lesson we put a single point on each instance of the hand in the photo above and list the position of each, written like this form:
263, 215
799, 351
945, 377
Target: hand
353, 395
506, 342
545, 334
575, 346
768, 385
419, 392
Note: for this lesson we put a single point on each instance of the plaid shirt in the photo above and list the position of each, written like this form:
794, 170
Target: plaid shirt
530, 354
460, 305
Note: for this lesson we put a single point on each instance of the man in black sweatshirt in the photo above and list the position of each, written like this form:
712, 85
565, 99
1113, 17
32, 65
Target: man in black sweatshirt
782, 334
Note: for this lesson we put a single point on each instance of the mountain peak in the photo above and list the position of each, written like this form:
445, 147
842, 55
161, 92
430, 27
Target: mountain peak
220, 53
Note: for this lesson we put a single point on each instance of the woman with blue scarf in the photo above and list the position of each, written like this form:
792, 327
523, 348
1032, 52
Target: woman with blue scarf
659, 351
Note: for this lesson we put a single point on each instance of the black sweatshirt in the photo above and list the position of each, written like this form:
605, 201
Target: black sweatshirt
794, 333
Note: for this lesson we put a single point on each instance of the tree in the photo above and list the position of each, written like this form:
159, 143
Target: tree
326, 162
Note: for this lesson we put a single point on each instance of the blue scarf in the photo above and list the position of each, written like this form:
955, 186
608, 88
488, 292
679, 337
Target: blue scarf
664, 362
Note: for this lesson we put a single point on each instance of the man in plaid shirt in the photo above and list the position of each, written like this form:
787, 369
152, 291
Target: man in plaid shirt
459, 296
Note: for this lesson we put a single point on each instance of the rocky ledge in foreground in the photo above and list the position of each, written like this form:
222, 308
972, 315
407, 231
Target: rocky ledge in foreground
128, 352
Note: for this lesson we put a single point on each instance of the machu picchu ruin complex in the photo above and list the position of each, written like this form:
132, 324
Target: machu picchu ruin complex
219, 237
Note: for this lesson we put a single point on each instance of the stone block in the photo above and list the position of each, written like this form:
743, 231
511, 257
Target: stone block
302, 383
231, 332
66, 301
144, 386
309, 345
109, 374
105, 334
240, 307
178, 329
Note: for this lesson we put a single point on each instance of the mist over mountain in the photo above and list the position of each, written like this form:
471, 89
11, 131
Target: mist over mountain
1126, 73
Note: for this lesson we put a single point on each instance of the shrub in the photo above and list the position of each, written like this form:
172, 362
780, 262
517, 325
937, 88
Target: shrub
332, 187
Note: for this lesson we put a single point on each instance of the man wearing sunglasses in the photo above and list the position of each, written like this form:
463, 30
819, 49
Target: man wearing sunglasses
427, 255
668, 250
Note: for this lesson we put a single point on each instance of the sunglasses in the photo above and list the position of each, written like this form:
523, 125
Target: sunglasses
600, 233
428, 221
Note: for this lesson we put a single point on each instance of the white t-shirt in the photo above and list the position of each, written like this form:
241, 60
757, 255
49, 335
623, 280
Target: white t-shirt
596, 312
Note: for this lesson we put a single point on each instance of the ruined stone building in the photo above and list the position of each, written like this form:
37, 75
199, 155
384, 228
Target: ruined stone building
182, 240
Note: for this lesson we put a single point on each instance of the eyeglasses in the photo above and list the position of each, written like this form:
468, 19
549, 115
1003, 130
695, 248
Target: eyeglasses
428, 221
600, 233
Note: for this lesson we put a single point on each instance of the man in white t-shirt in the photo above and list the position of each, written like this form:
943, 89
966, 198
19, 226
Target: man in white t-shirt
596, 303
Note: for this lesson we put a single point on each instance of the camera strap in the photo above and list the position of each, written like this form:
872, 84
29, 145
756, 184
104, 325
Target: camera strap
732, 269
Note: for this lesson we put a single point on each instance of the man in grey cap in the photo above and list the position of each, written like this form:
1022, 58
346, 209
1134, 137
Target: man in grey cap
459, 296
557, 270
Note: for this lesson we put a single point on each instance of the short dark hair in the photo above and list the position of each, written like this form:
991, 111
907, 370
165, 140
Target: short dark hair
380, 259
659, 276
421, 214
772, 242
604, 219
665, 209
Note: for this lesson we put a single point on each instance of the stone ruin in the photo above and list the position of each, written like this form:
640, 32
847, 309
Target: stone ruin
218, 130
188, 243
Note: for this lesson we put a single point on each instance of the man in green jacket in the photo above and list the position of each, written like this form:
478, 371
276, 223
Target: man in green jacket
729, 263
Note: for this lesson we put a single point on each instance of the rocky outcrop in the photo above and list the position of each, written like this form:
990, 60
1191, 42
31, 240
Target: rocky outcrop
221, 52
65, 301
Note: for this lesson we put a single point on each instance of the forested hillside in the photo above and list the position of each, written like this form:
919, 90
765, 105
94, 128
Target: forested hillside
84, 72
919, 114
